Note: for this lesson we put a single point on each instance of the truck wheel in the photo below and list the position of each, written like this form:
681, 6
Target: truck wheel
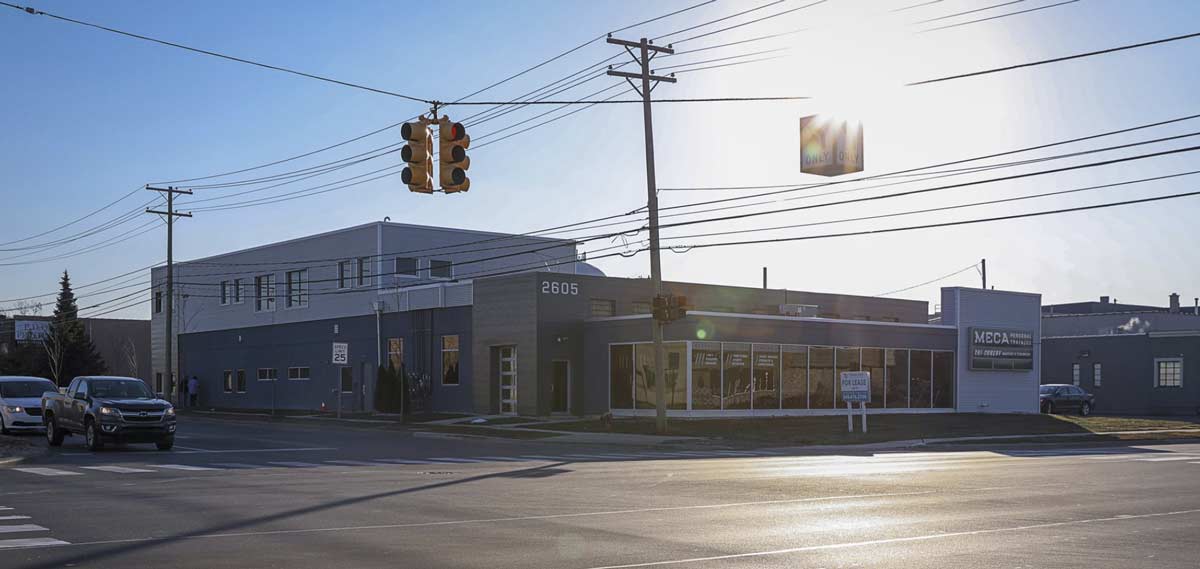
54, 435
165, 443
91, 434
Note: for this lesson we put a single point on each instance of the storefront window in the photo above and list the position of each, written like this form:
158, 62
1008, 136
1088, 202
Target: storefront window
872, 362
920, 385
676, 374
897, 379
766, 376
820, 377
795, 377
847, 360
943, 379
737, 376
620, 368
706, 375
644, 376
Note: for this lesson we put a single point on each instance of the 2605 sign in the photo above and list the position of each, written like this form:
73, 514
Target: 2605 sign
555, 287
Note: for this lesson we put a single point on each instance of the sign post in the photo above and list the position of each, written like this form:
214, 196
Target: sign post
341, 357
856, 387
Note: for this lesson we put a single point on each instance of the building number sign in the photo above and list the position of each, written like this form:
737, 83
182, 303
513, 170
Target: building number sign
552, 287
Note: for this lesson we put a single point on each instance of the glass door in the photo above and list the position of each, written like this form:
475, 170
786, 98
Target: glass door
508, 380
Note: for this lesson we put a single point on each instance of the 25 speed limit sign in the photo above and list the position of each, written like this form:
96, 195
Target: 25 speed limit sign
341, 353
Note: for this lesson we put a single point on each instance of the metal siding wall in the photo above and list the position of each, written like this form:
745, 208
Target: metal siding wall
995, 391
1127, 368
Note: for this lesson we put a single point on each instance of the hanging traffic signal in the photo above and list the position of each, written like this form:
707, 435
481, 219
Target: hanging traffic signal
677, 307
660, 310
418, 175
453, 161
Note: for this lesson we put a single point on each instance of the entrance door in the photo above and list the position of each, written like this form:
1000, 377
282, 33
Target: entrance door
560, 386
508, 380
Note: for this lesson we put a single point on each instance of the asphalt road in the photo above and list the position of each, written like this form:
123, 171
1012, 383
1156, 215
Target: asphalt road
268, 495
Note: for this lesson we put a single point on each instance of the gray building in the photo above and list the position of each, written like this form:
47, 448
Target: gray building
1133, 358
123, 343
509, 324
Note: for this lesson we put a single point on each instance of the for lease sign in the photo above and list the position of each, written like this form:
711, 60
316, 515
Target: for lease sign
997, 349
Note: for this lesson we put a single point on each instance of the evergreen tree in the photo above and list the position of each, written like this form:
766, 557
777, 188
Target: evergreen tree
69, 350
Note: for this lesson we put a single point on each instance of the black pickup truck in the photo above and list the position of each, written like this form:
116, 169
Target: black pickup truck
104, 408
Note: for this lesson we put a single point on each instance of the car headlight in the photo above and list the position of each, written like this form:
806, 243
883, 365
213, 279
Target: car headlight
14, 408
170, 412
110, 411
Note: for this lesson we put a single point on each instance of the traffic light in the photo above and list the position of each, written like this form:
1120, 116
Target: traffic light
453, 161
418, 175
660, 309
669, 308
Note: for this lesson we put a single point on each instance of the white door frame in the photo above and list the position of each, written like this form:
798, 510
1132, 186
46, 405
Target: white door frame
512, 387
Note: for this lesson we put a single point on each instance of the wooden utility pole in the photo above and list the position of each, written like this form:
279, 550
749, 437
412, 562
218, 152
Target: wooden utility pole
170, 214
646, 52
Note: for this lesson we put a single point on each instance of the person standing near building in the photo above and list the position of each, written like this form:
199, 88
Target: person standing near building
193, 391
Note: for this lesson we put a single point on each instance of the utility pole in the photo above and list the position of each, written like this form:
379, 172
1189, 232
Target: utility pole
983, 272
170, 214
646, 52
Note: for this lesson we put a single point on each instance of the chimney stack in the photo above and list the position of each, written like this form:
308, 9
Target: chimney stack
1104, 300
1174, 302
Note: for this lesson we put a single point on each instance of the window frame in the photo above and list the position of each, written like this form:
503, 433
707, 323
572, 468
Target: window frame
239, 383
260, 299
610, 303
416, 268
227, 381
1076, 371
449, 265
158, 303
296, 298
345, 274
362, 272
272, 376
457, 351
307, 373
641, 307
224, 295
239, 296
1097, 374
1158, 365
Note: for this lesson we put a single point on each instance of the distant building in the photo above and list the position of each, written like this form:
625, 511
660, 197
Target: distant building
1136, 359
124, 344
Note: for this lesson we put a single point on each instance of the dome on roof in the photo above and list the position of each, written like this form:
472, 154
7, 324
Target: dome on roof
588, 269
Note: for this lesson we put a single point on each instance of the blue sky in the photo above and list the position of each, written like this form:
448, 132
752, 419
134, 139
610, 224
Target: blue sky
89, 116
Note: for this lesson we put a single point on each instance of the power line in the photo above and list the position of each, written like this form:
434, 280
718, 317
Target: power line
36, 12
1055, 60
957, 14
996, 17
929, 282
915, 6
747, 23
109, 279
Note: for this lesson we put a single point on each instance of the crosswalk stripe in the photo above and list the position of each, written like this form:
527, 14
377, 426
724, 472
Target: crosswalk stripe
183, 467
454, 460
6, 518
292, 464
32, 542
236, 465
117, 469
48, 471
21, 528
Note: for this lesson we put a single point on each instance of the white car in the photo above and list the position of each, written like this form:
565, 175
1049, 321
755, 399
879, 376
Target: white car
21, 402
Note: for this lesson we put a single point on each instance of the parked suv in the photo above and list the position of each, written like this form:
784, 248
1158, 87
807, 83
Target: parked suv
104, 408
1061, 398
21, 402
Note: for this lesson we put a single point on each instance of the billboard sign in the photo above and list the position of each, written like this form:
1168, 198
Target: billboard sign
830, 147
856, 386
996, 349
31, 330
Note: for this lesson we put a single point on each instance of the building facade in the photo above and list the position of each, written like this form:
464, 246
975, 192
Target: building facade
124, 344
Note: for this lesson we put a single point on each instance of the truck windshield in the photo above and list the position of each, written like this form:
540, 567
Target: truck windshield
25, 388
119, 389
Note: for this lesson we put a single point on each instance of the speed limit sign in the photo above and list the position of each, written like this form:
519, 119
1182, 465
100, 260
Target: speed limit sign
341, 353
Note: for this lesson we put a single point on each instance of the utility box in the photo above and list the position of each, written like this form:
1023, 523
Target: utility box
830, 146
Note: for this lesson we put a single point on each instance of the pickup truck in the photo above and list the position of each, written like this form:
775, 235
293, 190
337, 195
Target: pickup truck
107, 408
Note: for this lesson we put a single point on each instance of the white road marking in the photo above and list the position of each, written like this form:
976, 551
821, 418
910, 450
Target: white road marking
117, 469
239, 465
1116, 456
875, 542
21, 528
1167, 458
291, 464
253, 450
454, 460
2, 508
49, 471
544, 457
403, 461
31, 542
6, 518
593, 456
500, 458
353, 463
183, 467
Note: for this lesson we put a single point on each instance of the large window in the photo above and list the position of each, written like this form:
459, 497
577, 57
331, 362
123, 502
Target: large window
298, 373
620, 370
344, 274
766, 376
439, 269
643, 372
268, 374
450, 360
1096, 375
363, 278
848, 359
820, 378
920, 384
264, 293
604, 307
896, 391
706, 375
227, 384
737, 377
1168, 372
297, 288
676, 373
241, 381
794, 379
406, 266
872, 363
1074, 374
943, 379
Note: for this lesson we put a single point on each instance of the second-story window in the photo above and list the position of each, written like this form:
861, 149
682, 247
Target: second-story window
364, 272
264, 293
224, 292
237, 291
406, 267
439, 269
157, 301
642, 307
297, 288
344, 276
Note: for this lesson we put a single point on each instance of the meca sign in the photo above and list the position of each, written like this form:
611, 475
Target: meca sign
830, 147
1001, 350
